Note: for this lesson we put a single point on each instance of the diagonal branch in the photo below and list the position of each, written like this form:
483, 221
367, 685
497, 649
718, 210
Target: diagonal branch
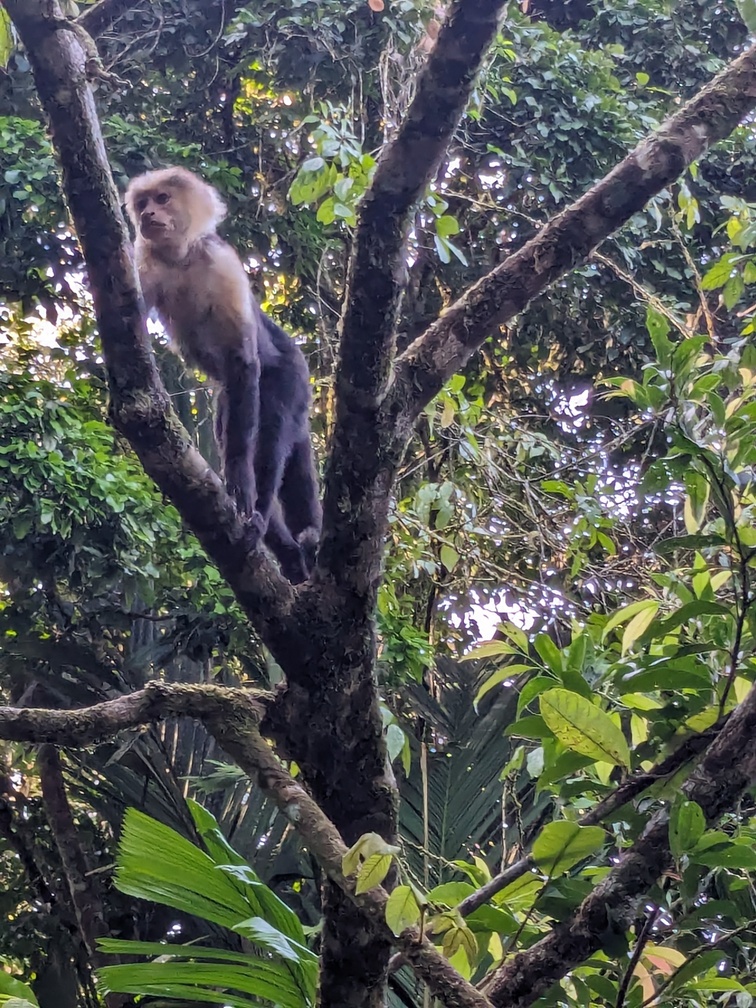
139, 407
355, 495
726, 771
569, 238
233, 716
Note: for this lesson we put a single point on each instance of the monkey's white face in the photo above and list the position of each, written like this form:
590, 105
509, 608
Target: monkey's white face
160, 215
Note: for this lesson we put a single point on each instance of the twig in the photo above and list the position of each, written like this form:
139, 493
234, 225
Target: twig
640, 944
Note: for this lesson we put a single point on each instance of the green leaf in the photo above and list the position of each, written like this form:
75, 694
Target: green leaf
499, 676
270, 938
626, 613
533, 688
658, 327
719, 273
696, 501
734, 856
313, 164
442, 247
402, 910
446, 226
16, 989
560, 845
6, 46
326, 213
686, 827
395, 741
488, 650
549, 653
176, 873
449, 557
584, 728
372, 872
201, 982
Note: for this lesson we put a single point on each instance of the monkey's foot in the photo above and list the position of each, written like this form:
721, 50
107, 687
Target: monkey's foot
254, 529
308, 542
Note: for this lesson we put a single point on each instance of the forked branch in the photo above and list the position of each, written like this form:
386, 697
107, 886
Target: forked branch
568, 239
355, 495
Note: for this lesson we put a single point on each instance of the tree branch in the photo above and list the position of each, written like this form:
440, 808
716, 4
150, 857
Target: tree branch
569, 238
140, 408
727, 769
98, 19
355, 499
233, 716
156, 702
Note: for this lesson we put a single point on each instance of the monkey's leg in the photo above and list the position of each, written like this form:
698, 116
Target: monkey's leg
299, 495
284, 547
274, 441
239, 421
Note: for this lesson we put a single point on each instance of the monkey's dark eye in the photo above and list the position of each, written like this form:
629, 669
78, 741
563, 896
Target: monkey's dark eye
141, 203
162, 197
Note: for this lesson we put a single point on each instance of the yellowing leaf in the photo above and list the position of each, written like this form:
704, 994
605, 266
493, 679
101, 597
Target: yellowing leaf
638, 729
362, 849
488, 650
402, 910
583, 727
646, 982
447, 416
639, 624
624, 614
372, 872
461, 963
666, 960
460, 937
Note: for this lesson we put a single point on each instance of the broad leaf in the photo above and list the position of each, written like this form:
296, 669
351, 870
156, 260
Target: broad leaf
583, 727
560, 845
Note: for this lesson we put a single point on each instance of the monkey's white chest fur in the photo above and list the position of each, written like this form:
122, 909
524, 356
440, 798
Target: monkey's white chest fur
202, 298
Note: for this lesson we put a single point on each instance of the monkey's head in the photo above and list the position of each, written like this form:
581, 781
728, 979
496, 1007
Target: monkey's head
173, 207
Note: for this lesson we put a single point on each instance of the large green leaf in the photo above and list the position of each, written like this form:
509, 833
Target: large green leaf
560, 845
16, 990
156, 864
583, 727
201, 981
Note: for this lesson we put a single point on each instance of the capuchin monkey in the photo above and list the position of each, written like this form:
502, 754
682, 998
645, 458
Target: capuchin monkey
201, 292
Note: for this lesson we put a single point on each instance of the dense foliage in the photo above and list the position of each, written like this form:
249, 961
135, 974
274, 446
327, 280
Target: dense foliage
582, 493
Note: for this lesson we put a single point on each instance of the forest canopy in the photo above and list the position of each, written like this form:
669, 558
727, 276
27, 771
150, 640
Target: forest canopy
499, 748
